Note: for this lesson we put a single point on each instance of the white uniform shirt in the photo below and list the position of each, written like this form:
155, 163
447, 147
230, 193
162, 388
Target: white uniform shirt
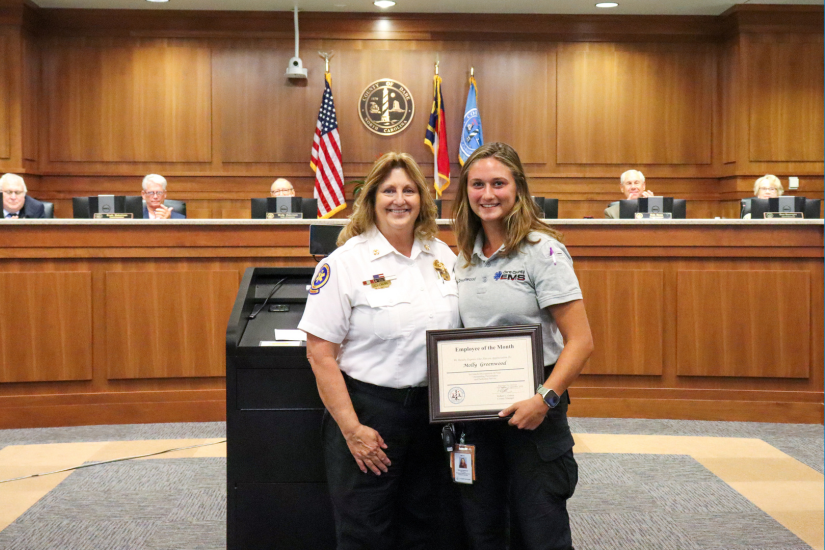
382, 330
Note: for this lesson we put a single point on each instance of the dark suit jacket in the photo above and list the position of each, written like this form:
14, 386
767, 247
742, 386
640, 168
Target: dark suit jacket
32, 208
175, 215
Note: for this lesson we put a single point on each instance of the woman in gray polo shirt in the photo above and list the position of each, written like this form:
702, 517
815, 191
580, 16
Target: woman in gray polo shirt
513, 270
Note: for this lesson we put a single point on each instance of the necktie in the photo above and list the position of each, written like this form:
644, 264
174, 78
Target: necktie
12, 215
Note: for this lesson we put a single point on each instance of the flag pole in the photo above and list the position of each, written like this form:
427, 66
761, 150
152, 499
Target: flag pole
326, 56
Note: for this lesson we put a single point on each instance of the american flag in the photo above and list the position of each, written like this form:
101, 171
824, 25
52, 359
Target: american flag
326, 158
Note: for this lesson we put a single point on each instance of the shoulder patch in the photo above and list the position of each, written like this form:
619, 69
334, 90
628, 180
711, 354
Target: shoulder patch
320, 279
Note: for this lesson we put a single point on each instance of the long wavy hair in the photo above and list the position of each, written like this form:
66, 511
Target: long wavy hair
519, 222
363, 212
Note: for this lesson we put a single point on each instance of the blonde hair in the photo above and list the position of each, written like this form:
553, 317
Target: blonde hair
519, 222
770, 179
363, 212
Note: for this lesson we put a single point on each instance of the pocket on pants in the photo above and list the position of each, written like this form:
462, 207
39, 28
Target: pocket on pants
560, 476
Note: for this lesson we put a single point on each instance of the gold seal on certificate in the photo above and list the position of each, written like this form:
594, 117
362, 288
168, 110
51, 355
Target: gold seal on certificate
475, 373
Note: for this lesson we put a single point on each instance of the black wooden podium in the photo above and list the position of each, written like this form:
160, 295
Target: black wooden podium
277, 492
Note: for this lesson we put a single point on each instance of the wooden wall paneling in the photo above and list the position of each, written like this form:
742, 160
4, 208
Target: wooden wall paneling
786, 89
128, 100
265, 116
729, 90
743, 323
31, 97
167, 324
626, 312
142, 247
45, 326
516, 102
356, 69
635, 104
6, 68
258, 103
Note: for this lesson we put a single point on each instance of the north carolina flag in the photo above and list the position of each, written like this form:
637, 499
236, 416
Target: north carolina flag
471, 135
436, 140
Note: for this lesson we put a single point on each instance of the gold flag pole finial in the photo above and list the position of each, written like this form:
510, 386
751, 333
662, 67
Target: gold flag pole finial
472, 71
327, 56
436, 67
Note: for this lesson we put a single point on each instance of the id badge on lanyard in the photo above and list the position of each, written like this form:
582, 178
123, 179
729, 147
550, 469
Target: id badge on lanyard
463, 463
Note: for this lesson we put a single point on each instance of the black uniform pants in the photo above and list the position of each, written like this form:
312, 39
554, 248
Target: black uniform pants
509, 469
398, 509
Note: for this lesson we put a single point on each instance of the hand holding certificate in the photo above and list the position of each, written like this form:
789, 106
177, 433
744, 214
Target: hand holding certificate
475, 373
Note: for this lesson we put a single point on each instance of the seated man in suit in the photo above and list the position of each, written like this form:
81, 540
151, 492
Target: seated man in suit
154, 193
15, 202
281, 188
632, 184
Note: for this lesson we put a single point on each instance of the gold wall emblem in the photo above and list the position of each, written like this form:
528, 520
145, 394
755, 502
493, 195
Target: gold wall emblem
386, 107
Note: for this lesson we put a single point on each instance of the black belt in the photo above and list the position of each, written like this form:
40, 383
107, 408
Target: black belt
406, 396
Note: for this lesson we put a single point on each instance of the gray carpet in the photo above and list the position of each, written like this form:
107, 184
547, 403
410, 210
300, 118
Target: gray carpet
121, 432
666, 502
622, 502
172, 504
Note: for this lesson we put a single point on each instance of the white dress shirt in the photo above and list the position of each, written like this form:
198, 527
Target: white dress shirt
382, 330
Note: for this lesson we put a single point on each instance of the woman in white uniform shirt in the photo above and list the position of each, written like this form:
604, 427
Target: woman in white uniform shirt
370, 303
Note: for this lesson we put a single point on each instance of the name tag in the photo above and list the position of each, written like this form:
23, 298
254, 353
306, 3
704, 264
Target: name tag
463, 464
114, 216
783, 215
653, 216
284, 215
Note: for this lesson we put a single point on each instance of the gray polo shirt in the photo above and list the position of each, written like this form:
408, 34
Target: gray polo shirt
517, 289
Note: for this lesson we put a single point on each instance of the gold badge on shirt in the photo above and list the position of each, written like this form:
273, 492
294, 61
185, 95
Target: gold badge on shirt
441, 270
379, 281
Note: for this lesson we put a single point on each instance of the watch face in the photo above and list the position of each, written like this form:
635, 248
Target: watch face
552, 398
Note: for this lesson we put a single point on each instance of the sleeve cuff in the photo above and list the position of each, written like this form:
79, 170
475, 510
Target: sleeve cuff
546, 301
315, 330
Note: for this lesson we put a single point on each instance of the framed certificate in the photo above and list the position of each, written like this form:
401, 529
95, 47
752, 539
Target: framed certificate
474, 373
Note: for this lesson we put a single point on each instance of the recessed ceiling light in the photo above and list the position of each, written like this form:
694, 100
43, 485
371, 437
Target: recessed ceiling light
607, 5
384, 4
159, 1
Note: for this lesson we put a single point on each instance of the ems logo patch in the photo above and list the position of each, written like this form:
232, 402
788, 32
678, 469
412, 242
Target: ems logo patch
510, 275
320, 279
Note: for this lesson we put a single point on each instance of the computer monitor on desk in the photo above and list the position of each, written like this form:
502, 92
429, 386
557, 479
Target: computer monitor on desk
323, 239
778, 205
812, 209
549, 208
108, 206
284, 208
653, 205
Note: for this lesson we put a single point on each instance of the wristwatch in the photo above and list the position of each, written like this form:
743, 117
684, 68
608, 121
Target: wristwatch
550, 397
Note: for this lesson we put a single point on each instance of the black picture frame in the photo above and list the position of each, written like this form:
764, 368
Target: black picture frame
481, 334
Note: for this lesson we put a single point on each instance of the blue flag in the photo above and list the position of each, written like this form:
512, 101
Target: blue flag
471, 136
